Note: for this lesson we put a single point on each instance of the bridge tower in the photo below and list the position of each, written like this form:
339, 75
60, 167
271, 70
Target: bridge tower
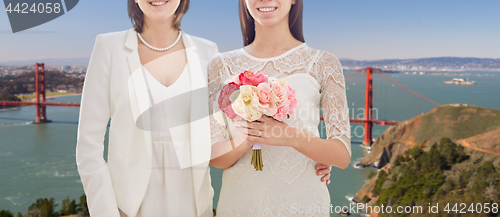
41, 115
368, 122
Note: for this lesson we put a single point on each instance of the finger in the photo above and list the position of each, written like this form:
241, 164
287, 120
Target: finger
256, 125
249, 131
328, 182
321, 166
323, 172
329, 167
241, 123
249, 126
242, 127
325, 178
253, 132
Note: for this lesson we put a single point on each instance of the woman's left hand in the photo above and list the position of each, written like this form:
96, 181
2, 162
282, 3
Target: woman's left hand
323, 171
269, 131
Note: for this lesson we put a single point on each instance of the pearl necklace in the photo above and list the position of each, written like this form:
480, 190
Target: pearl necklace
161, 49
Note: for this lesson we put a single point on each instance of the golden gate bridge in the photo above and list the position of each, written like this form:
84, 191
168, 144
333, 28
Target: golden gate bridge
367, 119
40, 92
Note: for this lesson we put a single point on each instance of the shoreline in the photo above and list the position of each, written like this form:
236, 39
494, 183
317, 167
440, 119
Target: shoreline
10, 108
73, 94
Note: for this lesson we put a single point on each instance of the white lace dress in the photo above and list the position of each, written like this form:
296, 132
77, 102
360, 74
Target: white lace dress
288, 184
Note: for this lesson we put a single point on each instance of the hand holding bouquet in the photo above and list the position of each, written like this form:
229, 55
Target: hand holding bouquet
250, 96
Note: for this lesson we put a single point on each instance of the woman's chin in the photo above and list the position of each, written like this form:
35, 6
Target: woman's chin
271, 20
268, 22
160, 18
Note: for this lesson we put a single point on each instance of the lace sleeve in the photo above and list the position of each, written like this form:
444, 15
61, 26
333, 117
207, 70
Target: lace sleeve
216, 74
333, 99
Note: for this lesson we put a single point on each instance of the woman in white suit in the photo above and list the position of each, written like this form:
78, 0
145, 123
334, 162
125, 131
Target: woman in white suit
151, 81
120, 85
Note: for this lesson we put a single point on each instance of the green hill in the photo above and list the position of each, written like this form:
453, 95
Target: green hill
450, 154
457, 122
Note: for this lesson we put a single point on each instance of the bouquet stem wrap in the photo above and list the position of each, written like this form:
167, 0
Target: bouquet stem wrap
257, 156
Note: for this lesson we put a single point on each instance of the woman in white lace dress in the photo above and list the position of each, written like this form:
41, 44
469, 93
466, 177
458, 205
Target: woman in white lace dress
287, 186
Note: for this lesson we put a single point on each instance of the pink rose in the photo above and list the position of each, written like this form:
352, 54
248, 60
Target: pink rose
291, 99
249, 78
267, 104
280, 93
282, 112
234, 80
293, 106
264, 94
290, 91
272, 109
224, 102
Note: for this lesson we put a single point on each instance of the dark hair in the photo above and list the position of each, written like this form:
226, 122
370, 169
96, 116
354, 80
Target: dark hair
137, 16
248, 23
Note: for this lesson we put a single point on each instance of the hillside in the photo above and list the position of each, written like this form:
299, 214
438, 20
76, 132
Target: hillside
447, 173
468, 125
449, 155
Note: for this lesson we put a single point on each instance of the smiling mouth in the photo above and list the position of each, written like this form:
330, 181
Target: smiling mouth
158, 3
269, 9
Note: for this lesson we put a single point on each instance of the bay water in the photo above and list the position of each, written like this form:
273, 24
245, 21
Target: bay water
38, 161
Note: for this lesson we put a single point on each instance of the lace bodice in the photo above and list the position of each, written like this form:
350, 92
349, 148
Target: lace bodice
288, 176
324, 67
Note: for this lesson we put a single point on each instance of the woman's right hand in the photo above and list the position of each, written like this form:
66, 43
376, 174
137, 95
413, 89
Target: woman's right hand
226, 153
246, 134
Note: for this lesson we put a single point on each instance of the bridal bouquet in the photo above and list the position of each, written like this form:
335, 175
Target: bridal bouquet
250, 96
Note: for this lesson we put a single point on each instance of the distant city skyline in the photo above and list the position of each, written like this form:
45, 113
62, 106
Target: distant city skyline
359, 30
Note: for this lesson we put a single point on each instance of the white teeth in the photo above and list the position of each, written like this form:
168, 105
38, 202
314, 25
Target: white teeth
266, 9
157, 3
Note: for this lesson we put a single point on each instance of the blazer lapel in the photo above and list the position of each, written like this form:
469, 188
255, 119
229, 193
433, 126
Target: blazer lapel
199, 125
139, 163
138, 89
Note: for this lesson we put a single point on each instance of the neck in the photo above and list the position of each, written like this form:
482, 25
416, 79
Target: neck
272, 39
159, 34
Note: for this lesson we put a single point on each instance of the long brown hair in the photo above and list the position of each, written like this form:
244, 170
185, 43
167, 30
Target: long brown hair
248, 23
137, 16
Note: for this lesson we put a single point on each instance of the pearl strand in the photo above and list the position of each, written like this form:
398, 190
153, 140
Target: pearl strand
161, 49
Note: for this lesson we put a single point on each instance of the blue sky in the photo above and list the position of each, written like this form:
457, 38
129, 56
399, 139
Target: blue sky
354, 29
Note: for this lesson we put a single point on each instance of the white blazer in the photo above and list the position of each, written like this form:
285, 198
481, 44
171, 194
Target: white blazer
113, 89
